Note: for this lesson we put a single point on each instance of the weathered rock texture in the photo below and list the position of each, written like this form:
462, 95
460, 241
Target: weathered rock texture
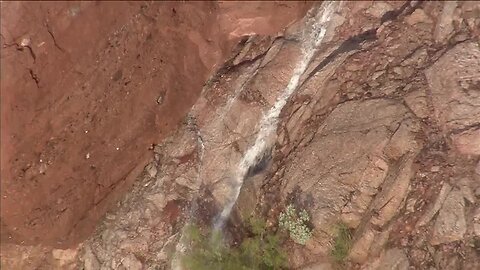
381, 135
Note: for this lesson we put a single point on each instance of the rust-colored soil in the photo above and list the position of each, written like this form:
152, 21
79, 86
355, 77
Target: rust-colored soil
86, 88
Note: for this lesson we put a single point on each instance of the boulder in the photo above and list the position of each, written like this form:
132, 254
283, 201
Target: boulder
90, 260
417, 102
403, 140
418, 16
379, 8
131, 262
467, 142
445, 23
394, 191
455, 96
450, 225
394, 259
436, 206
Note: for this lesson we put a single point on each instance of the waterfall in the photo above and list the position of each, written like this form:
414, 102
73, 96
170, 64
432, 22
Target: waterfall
315, 30
268, 125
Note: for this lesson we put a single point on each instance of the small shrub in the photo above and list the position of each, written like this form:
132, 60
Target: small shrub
261, 251
342, 243
296, 223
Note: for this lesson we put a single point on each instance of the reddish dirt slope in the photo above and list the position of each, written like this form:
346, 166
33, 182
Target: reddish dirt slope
86, 88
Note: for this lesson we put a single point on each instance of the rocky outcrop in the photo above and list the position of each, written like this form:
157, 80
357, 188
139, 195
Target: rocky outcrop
196, 167
453, 79
371, 198
450, 224
348, 145
467, 142
380, 135
394, 259
435, 207
161, 202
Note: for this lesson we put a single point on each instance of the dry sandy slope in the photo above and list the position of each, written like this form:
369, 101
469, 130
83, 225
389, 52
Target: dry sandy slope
88, 87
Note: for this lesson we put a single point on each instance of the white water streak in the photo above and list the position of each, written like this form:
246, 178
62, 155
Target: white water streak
269, 122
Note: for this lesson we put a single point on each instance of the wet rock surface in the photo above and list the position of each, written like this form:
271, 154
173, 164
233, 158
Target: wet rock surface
380, 135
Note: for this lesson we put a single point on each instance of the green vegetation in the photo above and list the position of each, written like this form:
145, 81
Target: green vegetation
260, 251
296, 223
342, 243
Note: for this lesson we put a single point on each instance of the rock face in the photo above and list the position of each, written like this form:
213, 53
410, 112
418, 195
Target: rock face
379, 134
357, 159
343, 161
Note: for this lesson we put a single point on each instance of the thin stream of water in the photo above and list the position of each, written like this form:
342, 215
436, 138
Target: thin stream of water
312, 39
268, 124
